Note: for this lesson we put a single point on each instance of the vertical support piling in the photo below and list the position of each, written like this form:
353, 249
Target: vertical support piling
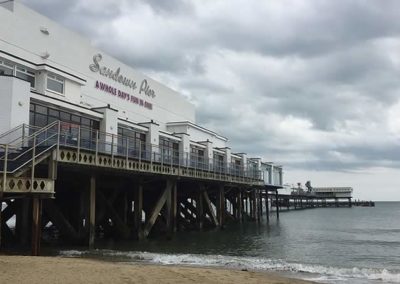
92, 211
168, 208
267, 204
36, 226
221, 205
174, 199
199, 207
277, 204
240, 206
260, 204
138, 211
255, 204
1, 211
22, 222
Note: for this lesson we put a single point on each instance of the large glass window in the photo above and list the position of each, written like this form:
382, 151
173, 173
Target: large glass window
133, 141
55, 83
197, 157
236, 166
219, 162
43, 115
169, 150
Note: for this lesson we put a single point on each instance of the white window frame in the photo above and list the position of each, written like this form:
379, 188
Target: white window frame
7, 65
25, 71
58, 79
14, 68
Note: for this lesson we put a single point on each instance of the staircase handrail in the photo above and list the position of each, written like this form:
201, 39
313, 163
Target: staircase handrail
33, 148
15, 129
27, 138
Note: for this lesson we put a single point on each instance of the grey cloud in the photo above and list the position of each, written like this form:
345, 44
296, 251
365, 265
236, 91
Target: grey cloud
171, 6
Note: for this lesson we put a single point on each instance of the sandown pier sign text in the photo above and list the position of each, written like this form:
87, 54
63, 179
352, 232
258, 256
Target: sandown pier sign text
118, 77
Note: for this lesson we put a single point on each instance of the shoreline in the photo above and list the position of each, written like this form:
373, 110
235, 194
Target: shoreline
55, 269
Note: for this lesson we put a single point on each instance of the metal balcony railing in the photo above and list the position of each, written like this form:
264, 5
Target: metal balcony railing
24, 145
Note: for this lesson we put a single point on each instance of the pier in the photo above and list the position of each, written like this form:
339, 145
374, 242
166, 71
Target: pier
54, 182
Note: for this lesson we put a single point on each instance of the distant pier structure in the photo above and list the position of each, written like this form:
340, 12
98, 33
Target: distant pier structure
338, 195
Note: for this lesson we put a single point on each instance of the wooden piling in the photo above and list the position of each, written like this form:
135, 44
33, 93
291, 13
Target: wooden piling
92, 211
199, 209
36, 226
138, 199
277, 204
174, 201
240, 206
1, 213
168, 209
221, 205
266, 205
157, 208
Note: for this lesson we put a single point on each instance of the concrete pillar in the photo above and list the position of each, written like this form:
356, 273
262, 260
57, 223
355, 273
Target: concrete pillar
244, 162
184, 148
153, 139
109, 124
228, 159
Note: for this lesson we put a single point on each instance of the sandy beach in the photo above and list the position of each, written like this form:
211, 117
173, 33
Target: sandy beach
26, 269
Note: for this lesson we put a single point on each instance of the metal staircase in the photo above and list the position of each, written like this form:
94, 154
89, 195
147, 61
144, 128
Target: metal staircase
21, 150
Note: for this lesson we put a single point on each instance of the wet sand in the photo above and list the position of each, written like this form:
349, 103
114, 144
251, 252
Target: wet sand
43, 270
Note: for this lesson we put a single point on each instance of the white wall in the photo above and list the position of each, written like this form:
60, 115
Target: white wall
14, 107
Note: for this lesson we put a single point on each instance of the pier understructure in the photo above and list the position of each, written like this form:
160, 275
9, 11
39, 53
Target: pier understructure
85, 185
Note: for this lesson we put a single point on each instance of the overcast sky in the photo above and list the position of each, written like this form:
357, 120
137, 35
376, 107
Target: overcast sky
312, 85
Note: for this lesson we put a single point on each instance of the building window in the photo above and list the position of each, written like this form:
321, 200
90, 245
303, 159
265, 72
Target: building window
42, 115
7, 68
219, 164
132, 141
26, 75
169, 149
55, 83
197, 157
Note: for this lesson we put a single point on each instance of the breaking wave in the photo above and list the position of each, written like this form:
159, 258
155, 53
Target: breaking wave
316, 273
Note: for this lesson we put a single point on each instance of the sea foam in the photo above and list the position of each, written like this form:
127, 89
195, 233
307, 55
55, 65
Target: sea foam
320, 273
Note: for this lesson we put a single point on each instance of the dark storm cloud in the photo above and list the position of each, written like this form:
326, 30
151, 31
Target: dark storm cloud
307, 83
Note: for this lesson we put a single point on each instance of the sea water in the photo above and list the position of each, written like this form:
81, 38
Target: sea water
326, 245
